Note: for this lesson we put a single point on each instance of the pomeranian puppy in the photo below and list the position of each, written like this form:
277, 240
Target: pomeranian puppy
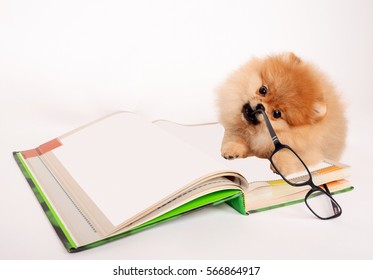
302, 104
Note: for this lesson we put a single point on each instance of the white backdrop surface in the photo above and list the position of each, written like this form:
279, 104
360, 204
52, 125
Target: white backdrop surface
65, 63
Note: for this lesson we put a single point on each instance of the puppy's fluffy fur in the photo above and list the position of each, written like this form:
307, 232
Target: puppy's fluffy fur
312, 119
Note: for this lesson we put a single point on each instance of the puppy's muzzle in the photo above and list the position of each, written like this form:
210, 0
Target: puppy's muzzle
249, 115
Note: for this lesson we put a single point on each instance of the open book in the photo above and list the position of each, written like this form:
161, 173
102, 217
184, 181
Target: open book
122, 174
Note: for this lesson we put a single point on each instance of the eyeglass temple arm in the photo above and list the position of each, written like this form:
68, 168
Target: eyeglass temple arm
270, 128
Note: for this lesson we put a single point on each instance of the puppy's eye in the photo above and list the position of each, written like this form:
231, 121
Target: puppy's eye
263, 90
276, 114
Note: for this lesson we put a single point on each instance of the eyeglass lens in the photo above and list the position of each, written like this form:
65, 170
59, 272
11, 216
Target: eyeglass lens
322, 205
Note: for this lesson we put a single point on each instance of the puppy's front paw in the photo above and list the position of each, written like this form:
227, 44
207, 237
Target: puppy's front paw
232, 150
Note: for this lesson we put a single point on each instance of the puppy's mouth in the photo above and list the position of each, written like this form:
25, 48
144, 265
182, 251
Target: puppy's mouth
250, 115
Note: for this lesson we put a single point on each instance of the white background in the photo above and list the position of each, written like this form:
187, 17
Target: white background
65, 63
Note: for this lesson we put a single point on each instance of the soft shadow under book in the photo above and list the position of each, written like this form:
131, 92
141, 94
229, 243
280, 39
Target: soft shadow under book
123, 173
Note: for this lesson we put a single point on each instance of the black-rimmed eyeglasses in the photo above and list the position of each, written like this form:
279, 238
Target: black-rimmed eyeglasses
319, 199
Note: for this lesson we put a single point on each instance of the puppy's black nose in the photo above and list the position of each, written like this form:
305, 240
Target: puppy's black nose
260, 106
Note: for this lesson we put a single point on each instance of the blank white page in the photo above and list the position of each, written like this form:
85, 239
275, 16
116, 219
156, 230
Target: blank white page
126, 164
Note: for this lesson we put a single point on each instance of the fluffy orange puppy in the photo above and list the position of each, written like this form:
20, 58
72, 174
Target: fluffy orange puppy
302, 104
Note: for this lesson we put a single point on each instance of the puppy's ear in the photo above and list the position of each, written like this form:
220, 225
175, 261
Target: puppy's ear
319, 111
291, 57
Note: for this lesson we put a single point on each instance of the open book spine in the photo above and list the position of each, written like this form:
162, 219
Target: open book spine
238, 203
57, 224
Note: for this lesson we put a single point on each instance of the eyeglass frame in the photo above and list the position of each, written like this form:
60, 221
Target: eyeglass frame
279, 146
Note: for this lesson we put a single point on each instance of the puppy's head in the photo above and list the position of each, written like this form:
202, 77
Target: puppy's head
287, 88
